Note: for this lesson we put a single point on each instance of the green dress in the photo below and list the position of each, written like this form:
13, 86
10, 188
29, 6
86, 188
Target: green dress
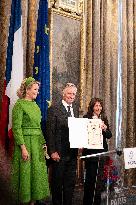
29, 178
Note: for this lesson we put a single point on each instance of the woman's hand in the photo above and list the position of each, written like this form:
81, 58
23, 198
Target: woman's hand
55, 156
103, 126
24, 152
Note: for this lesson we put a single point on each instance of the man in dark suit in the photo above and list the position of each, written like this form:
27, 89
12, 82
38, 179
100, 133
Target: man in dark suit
64, 158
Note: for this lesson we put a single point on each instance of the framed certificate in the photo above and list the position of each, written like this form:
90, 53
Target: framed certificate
85, 133
95, 137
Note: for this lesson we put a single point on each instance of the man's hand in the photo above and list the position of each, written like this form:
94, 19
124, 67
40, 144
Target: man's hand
55, 156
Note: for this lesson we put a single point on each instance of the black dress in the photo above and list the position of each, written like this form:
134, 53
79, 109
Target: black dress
93, 167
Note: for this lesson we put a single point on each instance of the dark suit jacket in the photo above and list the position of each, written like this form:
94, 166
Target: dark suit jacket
57, 132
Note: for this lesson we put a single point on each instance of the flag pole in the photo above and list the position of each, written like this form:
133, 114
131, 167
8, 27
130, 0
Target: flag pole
119, 81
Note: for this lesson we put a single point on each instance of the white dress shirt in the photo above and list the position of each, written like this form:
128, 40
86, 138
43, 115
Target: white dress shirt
66, 107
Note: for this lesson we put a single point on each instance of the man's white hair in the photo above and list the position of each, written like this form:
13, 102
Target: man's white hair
69, 85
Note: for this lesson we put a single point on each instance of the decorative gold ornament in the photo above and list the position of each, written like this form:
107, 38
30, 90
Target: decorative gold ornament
72, 6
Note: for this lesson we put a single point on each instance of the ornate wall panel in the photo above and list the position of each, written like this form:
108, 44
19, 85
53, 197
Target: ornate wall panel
65, 51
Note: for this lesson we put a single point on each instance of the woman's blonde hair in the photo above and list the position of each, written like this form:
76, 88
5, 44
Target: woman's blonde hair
26, 84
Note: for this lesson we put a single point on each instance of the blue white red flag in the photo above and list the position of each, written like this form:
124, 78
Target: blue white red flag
14, 71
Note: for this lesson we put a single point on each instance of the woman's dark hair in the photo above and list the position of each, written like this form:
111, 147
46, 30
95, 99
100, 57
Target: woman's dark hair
91, 107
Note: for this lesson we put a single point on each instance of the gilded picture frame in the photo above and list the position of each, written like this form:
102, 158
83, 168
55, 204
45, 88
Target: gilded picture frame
66, 53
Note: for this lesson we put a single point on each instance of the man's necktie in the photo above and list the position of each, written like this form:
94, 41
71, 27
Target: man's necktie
69, 111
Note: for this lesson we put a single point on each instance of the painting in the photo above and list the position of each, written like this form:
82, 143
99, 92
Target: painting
65, 52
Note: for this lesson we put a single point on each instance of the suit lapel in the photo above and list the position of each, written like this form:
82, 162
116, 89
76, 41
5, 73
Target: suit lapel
63, 109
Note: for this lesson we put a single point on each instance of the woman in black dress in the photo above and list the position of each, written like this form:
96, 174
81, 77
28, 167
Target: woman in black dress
92, 190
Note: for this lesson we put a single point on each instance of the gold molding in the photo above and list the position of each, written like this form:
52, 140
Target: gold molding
50, 56
82, 51
64, 13
83, 61
82, 69
71, 6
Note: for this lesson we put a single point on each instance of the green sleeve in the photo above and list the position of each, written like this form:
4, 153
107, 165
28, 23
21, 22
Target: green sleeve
17, 116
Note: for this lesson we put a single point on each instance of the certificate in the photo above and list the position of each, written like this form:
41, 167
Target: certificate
85, 133
95, 137
78, 132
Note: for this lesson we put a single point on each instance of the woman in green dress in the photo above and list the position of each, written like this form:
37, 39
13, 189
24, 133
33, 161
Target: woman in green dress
29, 172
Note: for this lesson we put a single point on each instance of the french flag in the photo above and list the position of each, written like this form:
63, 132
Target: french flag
13, 73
